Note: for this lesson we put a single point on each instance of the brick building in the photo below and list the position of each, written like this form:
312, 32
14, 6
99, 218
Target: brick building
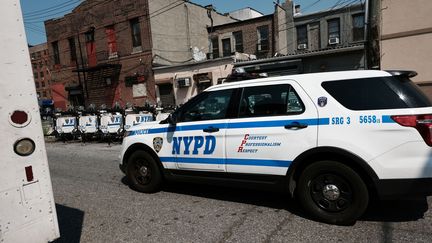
42, 76
251, 36
103, 52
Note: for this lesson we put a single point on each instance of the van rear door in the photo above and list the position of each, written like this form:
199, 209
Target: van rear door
27, 208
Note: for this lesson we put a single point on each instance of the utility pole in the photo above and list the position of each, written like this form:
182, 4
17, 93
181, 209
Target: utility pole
82, 64
367, 43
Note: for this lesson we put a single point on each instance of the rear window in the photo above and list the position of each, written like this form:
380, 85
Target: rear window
377, 93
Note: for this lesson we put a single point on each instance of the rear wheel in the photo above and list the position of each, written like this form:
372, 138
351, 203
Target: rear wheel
332, 192
143, 172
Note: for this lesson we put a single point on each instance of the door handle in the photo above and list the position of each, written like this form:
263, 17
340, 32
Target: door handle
211, 129
296, 125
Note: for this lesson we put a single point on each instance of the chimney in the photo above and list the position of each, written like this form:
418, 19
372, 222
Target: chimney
297, 9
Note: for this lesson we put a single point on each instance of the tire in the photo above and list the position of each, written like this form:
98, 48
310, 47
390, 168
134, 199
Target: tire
143, 173
332, 193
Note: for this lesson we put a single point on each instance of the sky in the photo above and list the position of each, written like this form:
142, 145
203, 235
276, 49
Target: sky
36, 11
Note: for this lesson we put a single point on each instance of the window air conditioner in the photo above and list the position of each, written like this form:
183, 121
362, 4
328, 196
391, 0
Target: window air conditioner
333, 40
183, 82
302, 46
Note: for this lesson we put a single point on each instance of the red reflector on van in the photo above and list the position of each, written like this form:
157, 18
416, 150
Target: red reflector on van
423, 124
29, 173
19, 117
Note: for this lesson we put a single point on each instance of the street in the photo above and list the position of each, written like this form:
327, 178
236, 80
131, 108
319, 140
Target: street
94, 204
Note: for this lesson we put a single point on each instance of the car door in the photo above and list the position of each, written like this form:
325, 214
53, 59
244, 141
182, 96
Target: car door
275, 123
198, 142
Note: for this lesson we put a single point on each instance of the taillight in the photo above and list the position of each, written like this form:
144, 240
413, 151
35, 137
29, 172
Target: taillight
423, 124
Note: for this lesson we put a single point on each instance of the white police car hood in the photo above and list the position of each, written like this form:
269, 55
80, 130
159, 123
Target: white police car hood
146, 125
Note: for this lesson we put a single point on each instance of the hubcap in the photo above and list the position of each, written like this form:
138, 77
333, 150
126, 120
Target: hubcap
331, 192
142, 173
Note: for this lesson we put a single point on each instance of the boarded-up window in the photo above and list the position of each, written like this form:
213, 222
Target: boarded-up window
111, 40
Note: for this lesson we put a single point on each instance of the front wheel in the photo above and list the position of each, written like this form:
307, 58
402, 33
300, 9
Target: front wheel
143, 172
332, 192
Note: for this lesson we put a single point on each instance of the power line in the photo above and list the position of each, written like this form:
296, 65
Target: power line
51, 9
42, 18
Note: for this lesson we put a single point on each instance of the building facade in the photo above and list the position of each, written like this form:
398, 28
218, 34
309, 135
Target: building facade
252, 36
41, 72
289, 42
103, 52
176, 84
329, 40
406, 37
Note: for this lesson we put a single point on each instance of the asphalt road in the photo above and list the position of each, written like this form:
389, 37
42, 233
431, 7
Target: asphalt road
94, 204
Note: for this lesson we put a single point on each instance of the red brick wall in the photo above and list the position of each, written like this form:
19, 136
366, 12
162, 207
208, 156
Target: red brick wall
99, 15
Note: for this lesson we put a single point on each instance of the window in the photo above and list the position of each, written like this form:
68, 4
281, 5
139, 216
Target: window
44, 94
358, 22
273, 100
35, 75
238, 39
89, 35
302, 38
43, 84
226, 47
41, 74
111, 41
333, 28
56, 52
72, 49
377, 93
34, 66
37, 85
263, 38
215, 47
136, 32
38, 54
209, 106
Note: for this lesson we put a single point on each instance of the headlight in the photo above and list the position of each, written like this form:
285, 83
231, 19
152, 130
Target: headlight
24, 147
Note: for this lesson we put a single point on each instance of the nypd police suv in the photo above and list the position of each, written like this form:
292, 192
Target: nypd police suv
334, 140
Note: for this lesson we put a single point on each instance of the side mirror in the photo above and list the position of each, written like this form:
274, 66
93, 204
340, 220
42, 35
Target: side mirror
171, 120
